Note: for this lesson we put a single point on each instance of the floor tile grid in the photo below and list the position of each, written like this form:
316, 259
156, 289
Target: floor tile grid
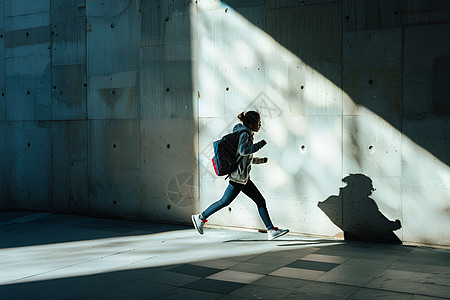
391, 272
307, 270
310, 270
242, 282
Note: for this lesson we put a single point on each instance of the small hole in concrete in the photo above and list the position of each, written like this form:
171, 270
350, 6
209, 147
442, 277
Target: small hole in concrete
168, 90
168, 206
370, 147
168, 146
227, 89
112, 25
54, 87
115, 202
28, 92
226, 10
114, 146
229, 208
303, 147
347, 17
370, 81
1, 36
396, 12
113, 92
302, 87
29, 145
3, 94
27, 34
85, 85
167, 19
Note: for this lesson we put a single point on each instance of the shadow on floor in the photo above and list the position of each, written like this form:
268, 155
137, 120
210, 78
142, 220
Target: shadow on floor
25, 229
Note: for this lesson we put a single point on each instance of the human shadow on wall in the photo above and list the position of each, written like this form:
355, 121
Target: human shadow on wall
357, 214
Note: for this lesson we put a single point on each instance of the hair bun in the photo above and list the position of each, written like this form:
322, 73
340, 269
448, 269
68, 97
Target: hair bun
241, 116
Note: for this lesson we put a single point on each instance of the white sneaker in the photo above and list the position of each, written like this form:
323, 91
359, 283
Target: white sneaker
275, 233
198, 223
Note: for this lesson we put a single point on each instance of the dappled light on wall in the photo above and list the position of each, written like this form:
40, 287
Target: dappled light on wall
317, 133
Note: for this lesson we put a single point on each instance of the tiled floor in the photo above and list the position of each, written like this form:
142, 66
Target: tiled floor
50, 256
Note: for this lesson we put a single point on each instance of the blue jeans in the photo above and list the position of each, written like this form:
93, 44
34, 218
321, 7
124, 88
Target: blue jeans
232, 192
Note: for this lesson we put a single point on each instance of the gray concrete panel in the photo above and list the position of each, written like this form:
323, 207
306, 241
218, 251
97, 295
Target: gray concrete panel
70, 166
108, 9
2, 77
432, 11
372, 14
27, 37
68, 32
30, 104
318, 30
371, 146
22, 14
113, 35
114, 97
169, 176
372, 46
28, 165
373, 71
67, 11
434, 132
423, 45
166, 88
425, 215
441, 88
151, 19
177, 22
274, 4
2, 163
320, 96
114, 168
24, 7
19, 105
2, 14
69, 43
2, 51
69, 92
426, 179
253, 11
28, 80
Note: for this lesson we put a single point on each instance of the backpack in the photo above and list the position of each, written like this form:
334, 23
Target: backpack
224, 160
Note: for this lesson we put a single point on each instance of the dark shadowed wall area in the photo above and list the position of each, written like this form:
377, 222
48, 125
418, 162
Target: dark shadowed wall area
110, 107
96, 111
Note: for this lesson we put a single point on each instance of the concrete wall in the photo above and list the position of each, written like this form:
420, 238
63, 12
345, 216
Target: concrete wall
96, 113
110, 108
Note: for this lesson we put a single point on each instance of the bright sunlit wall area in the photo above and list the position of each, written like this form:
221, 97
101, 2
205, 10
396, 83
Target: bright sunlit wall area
349, 94
110, 108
